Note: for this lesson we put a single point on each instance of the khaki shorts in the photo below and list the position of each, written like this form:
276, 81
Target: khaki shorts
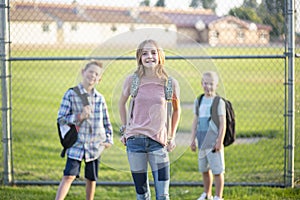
208, 160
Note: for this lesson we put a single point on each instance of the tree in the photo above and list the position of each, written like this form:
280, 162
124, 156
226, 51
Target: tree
269, 12
160, 3
272, 13
274, 6
250, 4
244, 13
207, 4
195, 4
145, 3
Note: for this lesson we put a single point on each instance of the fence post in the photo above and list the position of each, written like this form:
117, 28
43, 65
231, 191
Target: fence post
291, 91
6, 97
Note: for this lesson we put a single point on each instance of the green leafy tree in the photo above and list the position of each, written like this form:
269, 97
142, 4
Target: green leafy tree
160, 3
250, 4
207, 4
195, 4
272, 13
274, 6
145, 3
244, 13
269, 12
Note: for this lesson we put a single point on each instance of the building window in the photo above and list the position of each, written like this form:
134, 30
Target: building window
74, 27
215, 34
213, 39
113, 28
241, 35
132, 28
262, 36
46, 27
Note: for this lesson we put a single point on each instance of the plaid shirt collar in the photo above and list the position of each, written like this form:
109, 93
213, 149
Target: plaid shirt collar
95, 93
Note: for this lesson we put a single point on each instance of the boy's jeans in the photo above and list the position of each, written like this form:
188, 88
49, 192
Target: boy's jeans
140, 151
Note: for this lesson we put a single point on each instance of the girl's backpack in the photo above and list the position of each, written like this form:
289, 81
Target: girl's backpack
168, 95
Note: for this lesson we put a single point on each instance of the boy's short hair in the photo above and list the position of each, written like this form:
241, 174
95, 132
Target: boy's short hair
212, 75
94, 62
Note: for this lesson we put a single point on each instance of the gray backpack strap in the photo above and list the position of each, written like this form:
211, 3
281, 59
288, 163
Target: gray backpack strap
133, 92
83, 97
134, 85
169, 95
214, 110
169, 89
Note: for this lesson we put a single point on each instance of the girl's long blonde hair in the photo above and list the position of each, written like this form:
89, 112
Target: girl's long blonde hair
159, 69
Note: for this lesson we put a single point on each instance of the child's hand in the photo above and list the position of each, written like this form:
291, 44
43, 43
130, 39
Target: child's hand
123, 140
193, 146
86, 112
218, 146
171, 146
106, 145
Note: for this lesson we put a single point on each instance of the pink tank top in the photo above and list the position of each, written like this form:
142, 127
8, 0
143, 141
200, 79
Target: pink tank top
149, 111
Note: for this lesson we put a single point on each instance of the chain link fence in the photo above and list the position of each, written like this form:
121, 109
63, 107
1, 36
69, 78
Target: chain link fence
49, 43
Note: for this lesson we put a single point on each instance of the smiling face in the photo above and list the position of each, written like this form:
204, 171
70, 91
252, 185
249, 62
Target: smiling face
149, 56
209, 84
91, 75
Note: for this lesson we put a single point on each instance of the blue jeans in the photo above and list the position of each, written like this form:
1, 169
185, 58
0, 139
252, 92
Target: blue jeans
142, 150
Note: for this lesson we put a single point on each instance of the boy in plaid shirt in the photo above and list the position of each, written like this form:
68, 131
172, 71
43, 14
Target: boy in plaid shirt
94, 130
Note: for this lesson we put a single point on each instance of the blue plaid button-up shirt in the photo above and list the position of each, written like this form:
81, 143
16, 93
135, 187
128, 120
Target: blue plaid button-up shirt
92, 131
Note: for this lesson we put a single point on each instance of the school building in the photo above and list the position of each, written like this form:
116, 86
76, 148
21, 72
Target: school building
69, 24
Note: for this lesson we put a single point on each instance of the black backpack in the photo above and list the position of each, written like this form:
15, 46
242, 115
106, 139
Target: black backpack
71, 136
230, 134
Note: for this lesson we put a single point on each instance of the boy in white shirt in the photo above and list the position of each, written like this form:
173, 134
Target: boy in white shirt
210, 138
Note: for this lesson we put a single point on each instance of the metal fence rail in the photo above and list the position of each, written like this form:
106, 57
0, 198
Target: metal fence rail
133, 58
260, 79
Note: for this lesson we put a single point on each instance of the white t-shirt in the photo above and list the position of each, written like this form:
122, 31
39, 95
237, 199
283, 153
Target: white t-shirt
207, 132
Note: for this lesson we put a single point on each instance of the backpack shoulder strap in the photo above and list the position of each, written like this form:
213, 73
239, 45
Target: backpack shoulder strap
169, 89
168, 96
136, 82
83, 97
199, 99
134, 85
214, 110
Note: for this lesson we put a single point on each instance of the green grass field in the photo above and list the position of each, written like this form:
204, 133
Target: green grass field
254, 86
176, 193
